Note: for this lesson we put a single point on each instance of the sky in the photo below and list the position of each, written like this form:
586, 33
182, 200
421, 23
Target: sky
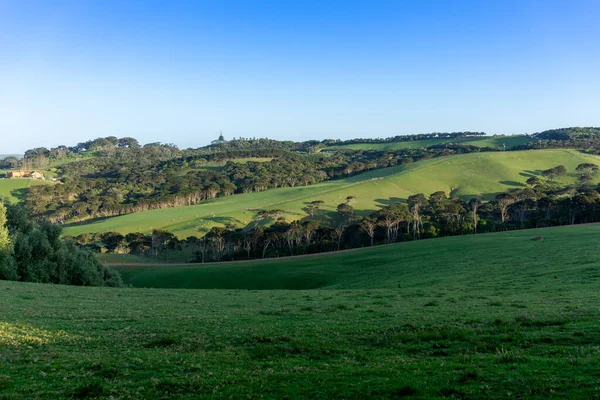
182, 71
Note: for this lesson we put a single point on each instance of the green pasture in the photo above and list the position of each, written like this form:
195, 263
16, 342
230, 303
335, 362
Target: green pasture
14, 188
564, 251
493, 316
463, 175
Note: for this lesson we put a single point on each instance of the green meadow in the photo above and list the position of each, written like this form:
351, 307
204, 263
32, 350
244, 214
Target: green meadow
499, 142
494, 316
463, 175
408, 264
14, 188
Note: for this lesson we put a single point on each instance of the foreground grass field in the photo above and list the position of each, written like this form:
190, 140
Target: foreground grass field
465, 175
445, 318
499, 142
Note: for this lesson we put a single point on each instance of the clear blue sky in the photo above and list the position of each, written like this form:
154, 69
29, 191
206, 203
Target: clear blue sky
181, 71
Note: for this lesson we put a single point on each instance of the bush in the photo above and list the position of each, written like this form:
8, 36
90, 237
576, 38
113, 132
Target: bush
37, 253
8, 267
112, 278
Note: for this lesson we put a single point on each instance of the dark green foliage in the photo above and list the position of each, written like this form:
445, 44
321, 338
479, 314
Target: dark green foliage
569, 133
587, 139
39, 254
407, 138
8, 267
555, 172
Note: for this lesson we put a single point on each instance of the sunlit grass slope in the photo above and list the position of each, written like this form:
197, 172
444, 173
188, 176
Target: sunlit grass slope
489, 316
464, 175
499, 142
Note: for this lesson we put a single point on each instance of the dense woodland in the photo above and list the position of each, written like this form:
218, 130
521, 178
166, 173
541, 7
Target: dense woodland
407, 138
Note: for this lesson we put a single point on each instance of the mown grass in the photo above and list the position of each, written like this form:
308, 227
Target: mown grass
468, 323
464, 175
499, 142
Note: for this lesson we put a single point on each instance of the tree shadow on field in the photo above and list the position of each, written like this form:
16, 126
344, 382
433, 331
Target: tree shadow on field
90, 221
19, 194
390, 201
513, 183
325, 217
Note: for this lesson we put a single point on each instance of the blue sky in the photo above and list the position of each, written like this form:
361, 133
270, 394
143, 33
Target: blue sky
181, 71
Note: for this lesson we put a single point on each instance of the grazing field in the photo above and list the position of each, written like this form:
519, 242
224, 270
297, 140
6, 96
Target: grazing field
411, 264
445, 318
499, 142
13, 188
464, 175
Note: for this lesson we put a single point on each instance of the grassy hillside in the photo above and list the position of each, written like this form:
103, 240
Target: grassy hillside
488, 141
464, 175
13, 188
516, 320
412, 265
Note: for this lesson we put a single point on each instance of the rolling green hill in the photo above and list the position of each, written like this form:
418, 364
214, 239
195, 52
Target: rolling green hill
486, 141
564, 251
464, 175
484, 316
12, 188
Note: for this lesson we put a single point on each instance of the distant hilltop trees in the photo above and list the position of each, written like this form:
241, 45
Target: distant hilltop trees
407, 138
40, 157
569, 133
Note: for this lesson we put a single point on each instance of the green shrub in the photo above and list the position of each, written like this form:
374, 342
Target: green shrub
34, 252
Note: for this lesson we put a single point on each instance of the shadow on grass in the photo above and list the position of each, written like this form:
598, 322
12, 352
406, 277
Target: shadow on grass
390, 201
512, 183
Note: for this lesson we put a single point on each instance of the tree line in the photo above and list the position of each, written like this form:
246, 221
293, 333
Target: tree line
541, 204
406, 138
